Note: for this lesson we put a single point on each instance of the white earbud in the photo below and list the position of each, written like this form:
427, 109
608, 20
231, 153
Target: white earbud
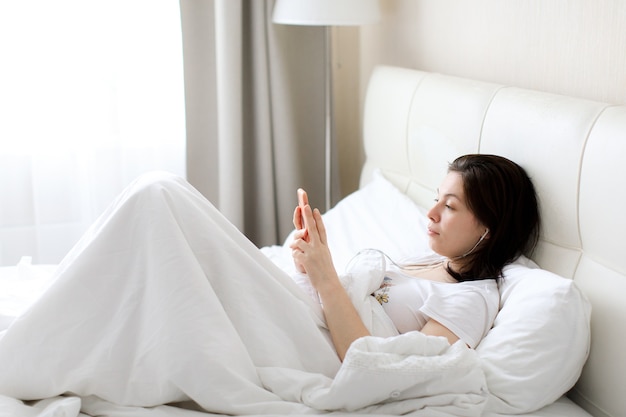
474, 247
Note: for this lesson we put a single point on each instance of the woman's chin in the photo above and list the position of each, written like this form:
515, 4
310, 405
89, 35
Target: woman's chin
433, 245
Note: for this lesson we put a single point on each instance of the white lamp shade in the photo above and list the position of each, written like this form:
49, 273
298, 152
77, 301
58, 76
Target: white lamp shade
326, 12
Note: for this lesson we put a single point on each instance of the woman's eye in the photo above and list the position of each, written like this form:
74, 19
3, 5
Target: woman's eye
448, 206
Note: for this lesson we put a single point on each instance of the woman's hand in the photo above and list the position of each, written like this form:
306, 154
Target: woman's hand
310, 251
310, 248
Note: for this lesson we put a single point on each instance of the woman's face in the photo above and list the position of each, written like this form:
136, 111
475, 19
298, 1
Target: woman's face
453, 229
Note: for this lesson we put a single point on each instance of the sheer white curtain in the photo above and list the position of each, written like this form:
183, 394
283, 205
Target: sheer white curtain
91, 95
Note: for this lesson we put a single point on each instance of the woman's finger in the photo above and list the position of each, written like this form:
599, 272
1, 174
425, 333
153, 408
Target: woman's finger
321, 228
298, 244
297, 254
297, 218
309, 222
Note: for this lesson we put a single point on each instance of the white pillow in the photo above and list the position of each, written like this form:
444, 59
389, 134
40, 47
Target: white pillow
539, 342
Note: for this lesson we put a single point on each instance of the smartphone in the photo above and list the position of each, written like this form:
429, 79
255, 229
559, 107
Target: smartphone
303, 200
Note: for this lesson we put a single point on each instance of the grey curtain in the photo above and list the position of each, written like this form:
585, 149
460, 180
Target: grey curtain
255, 112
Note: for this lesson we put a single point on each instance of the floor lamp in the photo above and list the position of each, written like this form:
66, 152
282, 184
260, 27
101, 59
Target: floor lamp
326, 13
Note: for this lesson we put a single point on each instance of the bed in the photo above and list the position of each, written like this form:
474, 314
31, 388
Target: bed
555, 348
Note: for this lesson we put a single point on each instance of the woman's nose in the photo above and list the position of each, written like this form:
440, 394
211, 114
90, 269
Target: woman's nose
433, 214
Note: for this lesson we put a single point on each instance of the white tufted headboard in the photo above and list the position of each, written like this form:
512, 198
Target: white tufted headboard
415, 123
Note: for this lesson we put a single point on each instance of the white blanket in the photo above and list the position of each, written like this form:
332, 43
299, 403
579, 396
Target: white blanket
164, 302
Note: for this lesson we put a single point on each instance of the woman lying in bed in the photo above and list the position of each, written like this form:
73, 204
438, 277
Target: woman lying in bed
163, 300
485, 216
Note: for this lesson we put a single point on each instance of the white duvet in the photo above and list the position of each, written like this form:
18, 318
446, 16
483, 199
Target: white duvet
164, 307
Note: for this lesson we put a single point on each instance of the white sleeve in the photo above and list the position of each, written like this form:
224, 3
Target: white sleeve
464, 312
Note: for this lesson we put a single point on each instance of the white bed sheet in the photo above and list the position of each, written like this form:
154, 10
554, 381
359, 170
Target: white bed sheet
20, 286
145, 312
70, 407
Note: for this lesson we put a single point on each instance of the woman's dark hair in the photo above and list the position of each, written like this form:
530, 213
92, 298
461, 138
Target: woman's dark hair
502, 197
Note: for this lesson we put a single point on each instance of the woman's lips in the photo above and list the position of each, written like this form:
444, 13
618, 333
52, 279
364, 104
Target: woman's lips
431, 232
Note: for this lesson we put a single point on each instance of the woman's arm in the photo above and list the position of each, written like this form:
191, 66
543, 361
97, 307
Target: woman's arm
311, 255
310, 252
434, 328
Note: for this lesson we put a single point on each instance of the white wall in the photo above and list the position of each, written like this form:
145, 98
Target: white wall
571, 47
